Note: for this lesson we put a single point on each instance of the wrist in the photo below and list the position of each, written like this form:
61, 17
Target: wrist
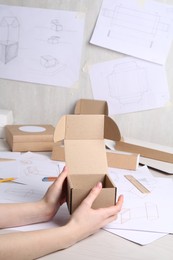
45, 210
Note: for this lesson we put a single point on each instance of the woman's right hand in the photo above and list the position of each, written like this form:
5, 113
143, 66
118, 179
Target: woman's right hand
86, 221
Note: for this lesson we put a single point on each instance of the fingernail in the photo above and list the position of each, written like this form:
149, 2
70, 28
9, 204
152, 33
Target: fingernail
99, 185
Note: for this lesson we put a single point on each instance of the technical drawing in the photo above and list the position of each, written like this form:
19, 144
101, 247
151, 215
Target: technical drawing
35, 169
141, 27
148, 212
22, 194
9, 38
52, 64
54, 40
48, 61
127, 82
56, 26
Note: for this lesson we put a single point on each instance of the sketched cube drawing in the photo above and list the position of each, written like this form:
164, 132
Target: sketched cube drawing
9, 39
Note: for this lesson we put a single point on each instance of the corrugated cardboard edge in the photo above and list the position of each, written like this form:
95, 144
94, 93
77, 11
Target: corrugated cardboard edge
144, 151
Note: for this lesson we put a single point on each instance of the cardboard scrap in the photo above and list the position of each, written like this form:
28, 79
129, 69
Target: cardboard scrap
145, 151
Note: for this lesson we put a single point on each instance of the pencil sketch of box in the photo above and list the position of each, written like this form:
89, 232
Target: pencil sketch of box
127, 83
47, 61
9, 38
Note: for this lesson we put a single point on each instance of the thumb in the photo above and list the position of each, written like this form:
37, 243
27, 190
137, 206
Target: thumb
93, 194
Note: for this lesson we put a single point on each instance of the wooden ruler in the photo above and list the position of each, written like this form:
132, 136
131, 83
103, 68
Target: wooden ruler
137, 184
6, 159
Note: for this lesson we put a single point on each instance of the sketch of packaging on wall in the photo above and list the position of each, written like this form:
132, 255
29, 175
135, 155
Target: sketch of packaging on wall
9, 38
142, 27
127, 83
50, 62
56, 25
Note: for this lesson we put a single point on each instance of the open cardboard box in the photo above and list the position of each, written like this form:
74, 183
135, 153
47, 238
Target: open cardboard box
85, 156
80, 185
115, 159
23, 138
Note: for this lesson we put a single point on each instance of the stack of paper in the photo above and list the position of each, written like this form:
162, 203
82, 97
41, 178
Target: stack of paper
144, 217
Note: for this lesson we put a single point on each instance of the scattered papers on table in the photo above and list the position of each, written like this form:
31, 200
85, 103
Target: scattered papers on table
150, 212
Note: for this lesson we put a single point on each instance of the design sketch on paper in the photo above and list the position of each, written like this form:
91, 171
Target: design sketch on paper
149, 212
22, 194
127, 83
50, 45
141, 29
54, 40
41, 170
9, 38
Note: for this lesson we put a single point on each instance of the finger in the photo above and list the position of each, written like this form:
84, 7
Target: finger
93, 194
62, 176
114, 210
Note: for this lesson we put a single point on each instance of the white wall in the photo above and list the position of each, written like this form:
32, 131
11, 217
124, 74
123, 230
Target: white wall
41, 104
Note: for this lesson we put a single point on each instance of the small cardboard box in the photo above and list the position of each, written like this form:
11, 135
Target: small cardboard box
23, 138
85, 156
80, 185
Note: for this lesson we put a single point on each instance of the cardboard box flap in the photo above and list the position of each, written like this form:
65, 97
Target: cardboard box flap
79, 127
111, 130
86, 127
89, 106
59, 133
85, 157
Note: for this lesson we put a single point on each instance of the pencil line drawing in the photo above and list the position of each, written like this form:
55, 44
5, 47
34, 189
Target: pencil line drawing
22, 194
141, 27
48, 61
54, 39
149, 212
41, 48
9, 38
127, 83
41, 170
56, 25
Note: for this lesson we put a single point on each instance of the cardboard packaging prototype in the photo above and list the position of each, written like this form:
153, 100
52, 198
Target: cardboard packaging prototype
23, 138
85, 156
115, 159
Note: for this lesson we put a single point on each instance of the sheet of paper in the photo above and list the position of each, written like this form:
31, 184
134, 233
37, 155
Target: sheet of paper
9, 169
34, 167
45, 49
139, 237
129, 85
141, 211
10, 155
140, 29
